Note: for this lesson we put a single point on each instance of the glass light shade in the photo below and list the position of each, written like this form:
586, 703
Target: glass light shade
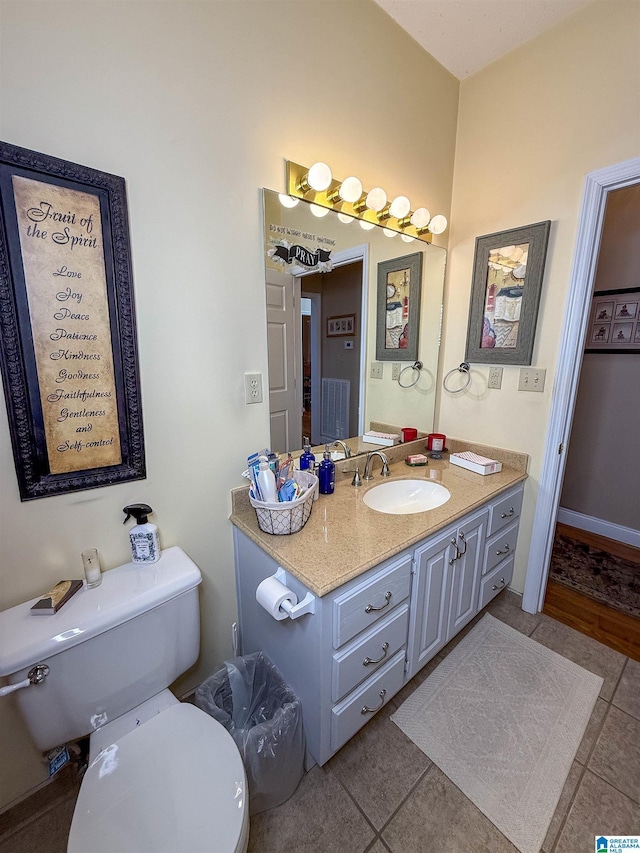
318, 211
376, 199
343, 217
367, 225
505, 251
389, 232
407, 238
319, 177
420, 217
400, 206
517, 253
350, 189
287, 200
438, 224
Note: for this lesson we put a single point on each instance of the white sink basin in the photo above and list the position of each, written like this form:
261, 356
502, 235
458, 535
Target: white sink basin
401, 497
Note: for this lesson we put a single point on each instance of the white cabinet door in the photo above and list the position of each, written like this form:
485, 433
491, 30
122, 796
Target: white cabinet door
430, 601
467, 565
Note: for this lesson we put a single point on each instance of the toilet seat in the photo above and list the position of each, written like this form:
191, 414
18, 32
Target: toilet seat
175, 783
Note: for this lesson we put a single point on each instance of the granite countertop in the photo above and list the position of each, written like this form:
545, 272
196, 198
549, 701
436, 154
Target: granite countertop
343, 537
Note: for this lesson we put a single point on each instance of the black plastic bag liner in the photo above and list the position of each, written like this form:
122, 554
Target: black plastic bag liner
264, 716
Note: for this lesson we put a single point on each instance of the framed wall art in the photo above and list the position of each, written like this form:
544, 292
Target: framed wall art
341, 326
68, 349
508, 270
614, 321
398, 317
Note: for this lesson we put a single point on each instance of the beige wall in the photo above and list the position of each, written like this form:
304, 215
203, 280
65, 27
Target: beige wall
197, 105
532, 125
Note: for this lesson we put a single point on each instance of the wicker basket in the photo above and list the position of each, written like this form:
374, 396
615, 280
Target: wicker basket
288, 516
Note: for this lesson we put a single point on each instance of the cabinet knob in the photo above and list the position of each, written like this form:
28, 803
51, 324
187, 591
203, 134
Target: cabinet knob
385, 649
371, 607
504, 550
365, 710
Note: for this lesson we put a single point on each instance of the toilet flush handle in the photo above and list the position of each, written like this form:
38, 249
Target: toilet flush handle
36, 675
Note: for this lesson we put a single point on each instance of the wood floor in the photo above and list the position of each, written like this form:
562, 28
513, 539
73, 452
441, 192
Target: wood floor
618, 630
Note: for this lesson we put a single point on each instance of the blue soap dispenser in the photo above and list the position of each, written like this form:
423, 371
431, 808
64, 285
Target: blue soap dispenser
307, 459
327, 473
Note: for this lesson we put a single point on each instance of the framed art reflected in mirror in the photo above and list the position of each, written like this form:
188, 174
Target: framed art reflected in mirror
398, 311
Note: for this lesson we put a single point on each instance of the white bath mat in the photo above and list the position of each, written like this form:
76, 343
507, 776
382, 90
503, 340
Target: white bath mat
503, 716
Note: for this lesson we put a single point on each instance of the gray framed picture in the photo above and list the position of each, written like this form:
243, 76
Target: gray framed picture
508, 270
398, 318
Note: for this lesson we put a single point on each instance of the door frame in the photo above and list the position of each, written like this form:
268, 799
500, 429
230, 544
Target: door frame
340, 259
597, 186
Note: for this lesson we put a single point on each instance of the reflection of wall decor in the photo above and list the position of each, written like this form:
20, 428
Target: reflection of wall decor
69, 353
614, 321
342, 326
507, 281
399, 289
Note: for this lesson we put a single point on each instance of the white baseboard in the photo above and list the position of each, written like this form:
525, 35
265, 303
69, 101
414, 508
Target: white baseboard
596, 525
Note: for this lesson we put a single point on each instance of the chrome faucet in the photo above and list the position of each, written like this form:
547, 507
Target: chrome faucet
346, 450
369, 464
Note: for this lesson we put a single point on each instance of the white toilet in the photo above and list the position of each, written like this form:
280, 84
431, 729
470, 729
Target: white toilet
163, 775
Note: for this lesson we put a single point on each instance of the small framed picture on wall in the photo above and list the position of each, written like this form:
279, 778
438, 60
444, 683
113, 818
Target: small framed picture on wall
614, 321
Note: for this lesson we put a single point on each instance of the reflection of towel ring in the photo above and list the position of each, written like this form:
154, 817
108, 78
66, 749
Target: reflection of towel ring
417, 366
464, 368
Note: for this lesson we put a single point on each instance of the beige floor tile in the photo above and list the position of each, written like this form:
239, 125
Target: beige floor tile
582, 650
319, 818
507, 606
627, 696
563, 806
378, 767
593, 730
437, 816
598, 809
616, 757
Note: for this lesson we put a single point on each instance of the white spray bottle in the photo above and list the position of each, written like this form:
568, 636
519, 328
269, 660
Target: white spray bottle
145, 543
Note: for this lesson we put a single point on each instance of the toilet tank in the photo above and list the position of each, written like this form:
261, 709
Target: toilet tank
108, 649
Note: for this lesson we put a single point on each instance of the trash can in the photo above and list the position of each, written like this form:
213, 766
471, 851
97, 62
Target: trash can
264, 716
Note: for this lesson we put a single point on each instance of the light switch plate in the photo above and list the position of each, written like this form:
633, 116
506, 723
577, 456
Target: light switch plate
395, 371
531, 379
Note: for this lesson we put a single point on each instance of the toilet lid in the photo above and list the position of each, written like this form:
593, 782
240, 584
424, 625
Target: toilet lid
176, 783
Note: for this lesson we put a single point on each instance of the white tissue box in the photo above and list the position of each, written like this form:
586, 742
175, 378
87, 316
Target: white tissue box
474, 462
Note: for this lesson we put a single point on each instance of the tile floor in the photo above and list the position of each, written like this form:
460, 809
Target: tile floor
381, 793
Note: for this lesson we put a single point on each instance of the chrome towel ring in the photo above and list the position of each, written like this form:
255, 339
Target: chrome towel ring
464, 368
417, 367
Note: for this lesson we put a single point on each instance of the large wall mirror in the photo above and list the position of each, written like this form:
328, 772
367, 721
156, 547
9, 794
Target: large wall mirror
322, 313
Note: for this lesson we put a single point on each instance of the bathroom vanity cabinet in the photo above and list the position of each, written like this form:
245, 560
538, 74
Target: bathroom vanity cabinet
371, 635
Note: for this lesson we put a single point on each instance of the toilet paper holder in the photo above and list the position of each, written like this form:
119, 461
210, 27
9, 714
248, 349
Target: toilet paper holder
294, 611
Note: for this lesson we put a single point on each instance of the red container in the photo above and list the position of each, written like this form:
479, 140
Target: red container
436, 441
409, 434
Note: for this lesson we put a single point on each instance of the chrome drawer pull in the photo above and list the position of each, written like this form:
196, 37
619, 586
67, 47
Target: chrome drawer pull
365, 710
507, 514
500, 585
464, 542
371, 607
385, 649
452, 560
505, 550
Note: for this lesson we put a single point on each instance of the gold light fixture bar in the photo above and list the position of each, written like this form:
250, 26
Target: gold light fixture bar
298, 186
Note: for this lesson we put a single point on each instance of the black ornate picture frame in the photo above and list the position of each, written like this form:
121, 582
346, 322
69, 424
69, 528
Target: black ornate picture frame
508, 270
68, 345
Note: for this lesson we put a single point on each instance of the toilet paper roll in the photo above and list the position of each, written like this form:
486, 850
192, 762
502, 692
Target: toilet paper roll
271, 594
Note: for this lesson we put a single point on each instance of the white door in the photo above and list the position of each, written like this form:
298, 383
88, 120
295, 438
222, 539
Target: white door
285, 386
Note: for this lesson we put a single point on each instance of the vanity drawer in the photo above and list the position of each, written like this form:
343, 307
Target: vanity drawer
495, 581
348, 717
368, 653
505, 510
501, 546
369, 601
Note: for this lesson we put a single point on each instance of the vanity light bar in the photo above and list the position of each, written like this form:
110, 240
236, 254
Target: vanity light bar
339, 195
